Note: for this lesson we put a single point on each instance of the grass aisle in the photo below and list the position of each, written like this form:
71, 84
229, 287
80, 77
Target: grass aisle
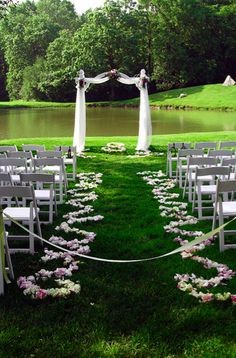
124, 310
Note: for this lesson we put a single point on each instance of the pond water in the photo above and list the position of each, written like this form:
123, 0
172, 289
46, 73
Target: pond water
58, 122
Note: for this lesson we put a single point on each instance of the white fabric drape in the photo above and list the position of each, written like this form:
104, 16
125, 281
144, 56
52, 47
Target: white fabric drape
82, 84
145, 124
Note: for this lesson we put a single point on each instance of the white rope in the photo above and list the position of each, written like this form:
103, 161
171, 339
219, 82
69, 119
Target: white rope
185, 247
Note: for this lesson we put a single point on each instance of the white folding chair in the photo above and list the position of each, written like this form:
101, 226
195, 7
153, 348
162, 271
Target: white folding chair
8, 148
220, 153
26, 214
205, 145
172, 151
14, 166
224, 208
227, 144
43, 195
182, 158
201, 189
70, 158
20, 154
49, 154
53, 166
192, 164
32, 147
230, 162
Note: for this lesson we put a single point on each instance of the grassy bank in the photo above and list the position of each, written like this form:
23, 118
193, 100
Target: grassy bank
209, 97
158, 141
132, 310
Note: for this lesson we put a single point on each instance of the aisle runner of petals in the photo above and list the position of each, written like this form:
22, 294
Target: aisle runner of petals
64, 287
191, 284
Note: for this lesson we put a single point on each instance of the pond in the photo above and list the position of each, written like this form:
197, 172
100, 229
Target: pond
58, 122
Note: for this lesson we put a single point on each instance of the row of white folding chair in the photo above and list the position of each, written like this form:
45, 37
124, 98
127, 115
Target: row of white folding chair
15, 166
44, 190
172, 150
183, 155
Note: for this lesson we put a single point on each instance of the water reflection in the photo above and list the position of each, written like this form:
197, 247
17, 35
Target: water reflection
57, 122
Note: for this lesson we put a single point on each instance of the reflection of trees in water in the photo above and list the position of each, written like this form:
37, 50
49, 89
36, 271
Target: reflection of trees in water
58, 122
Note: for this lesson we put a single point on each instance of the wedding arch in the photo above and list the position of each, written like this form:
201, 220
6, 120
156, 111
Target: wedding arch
83, 83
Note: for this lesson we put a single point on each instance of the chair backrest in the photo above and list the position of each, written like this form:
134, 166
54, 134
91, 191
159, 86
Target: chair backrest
65, 148
202, 161
222, 171
49, 154
190, 152
20, 154
32, 147
8, 148
12, 163
203, 145
17, 191
5, 178
220, 153
228, 162
178, 145
224, 186
227, 144
47, 161
36, 178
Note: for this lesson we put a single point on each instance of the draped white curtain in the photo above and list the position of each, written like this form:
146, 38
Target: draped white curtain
82, 84
145, 124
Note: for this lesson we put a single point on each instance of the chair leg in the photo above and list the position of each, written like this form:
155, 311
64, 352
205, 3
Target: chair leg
8, 259
31, 237
199, 204
221, 233
185, 184
1, 277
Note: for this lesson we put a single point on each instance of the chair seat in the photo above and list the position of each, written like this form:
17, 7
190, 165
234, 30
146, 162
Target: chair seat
201, 178
15, 178
52, 168
207, 189
68, 161
42, 194
21, 214
228, 207
58, 179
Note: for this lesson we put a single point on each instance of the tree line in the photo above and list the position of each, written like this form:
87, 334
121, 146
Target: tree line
179, 43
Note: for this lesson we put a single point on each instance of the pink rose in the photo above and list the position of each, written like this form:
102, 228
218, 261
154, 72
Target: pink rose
233, 298
41, 293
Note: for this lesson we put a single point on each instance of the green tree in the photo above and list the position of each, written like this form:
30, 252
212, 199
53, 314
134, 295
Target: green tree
28, 30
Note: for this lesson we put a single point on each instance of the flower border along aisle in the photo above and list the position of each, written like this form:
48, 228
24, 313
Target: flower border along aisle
191, 284
30, 285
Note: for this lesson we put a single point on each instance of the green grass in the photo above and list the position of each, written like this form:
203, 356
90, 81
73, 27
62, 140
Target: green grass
209, 97
132, 310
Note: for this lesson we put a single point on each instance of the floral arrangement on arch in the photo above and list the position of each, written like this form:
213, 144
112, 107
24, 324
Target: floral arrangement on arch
113, 74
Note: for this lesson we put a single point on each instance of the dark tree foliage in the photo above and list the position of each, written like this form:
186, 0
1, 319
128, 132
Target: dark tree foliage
180, 43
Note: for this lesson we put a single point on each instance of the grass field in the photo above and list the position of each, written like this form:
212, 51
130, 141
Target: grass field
132, 310
209, 97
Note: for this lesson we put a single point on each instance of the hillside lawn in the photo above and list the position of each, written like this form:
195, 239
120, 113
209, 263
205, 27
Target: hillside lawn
123, 310
208, 97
